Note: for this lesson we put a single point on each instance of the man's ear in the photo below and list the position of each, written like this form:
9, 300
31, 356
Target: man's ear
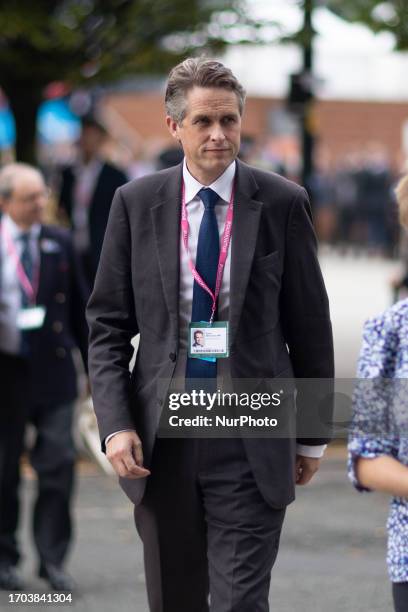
173, 128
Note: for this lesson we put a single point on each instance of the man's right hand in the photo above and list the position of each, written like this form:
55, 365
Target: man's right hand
124, 451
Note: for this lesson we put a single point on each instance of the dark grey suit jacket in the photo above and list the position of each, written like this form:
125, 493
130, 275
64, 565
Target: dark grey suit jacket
62, 290
277, 302
109, 179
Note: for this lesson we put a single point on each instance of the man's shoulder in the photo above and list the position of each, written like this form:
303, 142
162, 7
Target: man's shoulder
56, 233
66, 171
267, 180
149, 184
113, 172
269, 185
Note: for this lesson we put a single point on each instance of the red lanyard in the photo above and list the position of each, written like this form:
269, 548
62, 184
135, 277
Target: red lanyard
225, 242
30, 289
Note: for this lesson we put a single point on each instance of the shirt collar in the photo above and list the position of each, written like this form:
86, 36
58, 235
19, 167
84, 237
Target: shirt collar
92, 166
15, 231
222, 186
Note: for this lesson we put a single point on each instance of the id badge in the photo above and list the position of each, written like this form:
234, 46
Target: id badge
31, 318
208, 341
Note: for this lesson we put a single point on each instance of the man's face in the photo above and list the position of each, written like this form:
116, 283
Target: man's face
27, 202
210, 131
91, 141
199, 338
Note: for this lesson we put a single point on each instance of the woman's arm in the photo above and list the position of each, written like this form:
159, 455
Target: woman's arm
383, 474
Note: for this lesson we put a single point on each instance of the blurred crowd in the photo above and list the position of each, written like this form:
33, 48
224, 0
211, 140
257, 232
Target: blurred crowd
352, 197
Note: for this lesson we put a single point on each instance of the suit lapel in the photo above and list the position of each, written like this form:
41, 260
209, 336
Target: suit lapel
247, 214
166, 225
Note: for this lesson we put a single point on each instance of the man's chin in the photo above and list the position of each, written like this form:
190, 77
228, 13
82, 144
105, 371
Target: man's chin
221, 163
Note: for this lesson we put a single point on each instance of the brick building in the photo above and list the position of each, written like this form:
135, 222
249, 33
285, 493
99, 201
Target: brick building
341, 126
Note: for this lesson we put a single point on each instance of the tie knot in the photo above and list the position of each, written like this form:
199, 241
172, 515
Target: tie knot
208, 197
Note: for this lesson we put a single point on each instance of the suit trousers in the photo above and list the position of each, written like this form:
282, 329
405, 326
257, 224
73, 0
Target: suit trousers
52, 457
210, 539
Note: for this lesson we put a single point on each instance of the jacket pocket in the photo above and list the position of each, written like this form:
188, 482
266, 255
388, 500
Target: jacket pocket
266, 260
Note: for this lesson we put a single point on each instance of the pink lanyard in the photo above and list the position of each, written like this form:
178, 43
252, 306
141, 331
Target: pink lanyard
30, 290
225, 242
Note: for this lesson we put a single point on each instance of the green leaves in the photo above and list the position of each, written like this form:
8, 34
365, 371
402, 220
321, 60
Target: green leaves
93, 40
389, 16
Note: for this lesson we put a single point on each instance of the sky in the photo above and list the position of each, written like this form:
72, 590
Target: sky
351, 62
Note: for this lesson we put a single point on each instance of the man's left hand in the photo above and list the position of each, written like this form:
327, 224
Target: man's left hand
306, 468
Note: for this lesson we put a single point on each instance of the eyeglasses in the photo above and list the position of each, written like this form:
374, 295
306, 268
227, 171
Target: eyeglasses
32, 197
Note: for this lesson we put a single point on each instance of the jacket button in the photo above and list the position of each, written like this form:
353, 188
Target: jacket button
60, 298
172, 356
57, 327
61, 352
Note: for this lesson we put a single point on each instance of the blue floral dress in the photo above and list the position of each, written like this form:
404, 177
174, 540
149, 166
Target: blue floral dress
380, 417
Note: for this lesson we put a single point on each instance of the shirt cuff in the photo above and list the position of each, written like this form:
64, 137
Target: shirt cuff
316, 452
114, 434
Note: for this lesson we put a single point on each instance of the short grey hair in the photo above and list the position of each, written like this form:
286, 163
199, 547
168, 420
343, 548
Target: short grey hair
9, 174
198, 72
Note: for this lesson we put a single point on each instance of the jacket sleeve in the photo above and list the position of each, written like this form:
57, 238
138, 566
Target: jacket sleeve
112, 323
306, 325
79, 297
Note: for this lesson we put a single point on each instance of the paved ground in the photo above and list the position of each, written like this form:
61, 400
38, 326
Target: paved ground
331, 557
333, 544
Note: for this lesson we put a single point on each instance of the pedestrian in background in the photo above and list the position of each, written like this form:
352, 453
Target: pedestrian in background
378, 445
86, 192
42, 317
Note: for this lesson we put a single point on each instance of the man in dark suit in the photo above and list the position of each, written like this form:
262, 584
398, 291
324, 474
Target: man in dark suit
86, 193
42, 317
209, 511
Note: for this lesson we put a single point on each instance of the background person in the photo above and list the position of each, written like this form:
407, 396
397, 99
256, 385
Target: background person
42, 317
209, 511
86, 193
378, 445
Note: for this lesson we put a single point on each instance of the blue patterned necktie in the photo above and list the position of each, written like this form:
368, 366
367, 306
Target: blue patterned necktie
28, 267
208, 252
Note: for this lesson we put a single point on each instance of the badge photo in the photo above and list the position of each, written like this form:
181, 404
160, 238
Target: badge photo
208, 340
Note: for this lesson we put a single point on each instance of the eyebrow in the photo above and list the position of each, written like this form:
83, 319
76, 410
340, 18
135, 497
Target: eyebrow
207, 117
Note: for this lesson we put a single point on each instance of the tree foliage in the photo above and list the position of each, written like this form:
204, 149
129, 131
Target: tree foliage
83, 40
93, 41
389, 16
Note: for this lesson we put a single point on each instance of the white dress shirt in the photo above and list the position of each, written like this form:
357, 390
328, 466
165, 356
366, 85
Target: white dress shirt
10, 290
195, 210
86, 177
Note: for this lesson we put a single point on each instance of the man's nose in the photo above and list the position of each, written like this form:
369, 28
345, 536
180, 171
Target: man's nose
217, 133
